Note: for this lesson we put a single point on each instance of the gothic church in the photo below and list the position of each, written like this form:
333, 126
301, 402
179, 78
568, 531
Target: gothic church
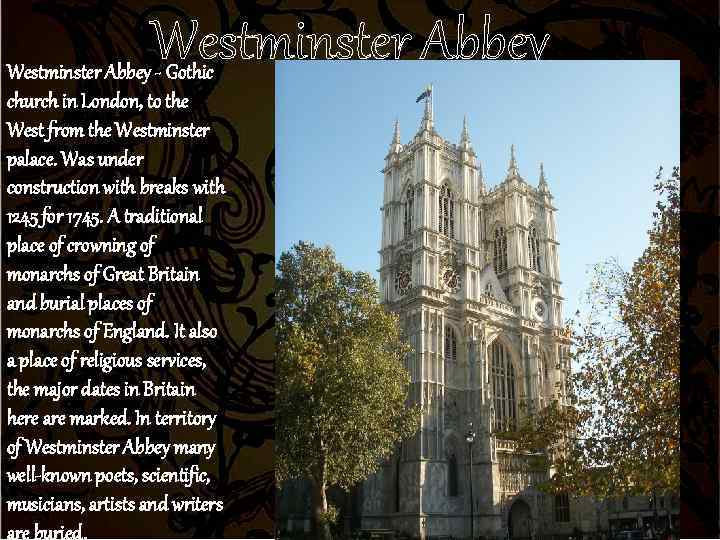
473, 273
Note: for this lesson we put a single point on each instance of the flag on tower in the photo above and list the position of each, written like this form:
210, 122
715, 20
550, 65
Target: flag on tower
425, 94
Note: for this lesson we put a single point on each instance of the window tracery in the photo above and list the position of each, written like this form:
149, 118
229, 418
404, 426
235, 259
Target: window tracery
447, 212
503, 387
500, 253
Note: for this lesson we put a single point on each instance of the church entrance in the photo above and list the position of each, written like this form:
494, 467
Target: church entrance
519, 520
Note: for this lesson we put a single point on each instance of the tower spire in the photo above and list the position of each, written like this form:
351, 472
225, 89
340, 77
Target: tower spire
512, 167
542, 185
395, 145
465, 135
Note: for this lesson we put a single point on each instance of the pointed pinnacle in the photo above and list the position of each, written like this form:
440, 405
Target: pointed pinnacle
396, 135
465, 135
512, 168
543, 182
427, 120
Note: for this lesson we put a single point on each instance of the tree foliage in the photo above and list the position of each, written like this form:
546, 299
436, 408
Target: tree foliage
341, 383
621, 430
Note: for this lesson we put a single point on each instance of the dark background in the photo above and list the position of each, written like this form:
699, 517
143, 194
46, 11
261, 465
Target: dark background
235, 250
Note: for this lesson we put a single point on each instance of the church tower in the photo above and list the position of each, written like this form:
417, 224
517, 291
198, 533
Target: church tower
473, 274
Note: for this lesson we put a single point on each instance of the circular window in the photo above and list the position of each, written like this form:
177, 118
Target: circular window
451, 280
403, 281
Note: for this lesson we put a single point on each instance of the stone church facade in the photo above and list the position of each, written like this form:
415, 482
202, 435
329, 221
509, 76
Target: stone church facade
473, 273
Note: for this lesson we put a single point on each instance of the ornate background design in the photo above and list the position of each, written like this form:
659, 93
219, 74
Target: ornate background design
235, 251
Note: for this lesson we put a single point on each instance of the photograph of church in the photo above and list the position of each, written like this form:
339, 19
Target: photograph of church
470, 264
473, 272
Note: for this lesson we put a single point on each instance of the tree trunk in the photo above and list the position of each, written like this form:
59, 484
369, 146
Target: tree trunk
321, 527
320, 506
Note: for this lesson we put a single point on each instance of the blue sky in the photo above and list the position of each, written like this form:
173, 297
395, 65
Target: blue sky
601, 129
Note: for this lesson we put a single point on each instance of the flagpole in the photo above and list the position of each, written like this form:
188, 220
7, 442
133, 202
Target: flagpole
432, 112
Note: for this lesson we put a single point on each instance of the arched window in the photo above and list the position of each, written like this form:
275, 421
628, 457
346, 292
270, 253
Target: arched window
408, 219
500, 258
452, 476
489, 289
503, 387
447, 212
533, 249
450, 344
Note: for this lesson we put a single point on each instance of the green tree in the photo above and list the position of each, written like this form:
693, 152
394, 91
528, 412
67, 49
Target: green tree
621, 430
342, 387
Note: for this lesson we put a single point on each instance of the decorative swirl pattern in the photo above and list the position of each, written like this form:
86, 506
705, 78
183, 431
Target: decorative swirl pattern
234, 250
